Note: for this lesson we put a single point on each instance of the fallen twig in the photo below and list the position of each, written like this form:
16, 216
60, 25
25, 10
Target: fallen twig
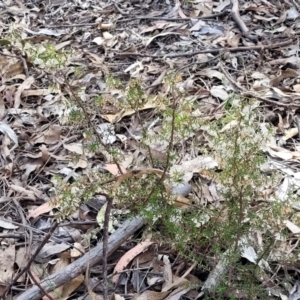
79, 266
212, 51
255, 95
109, 201
220, 14
235, 14
231, 80
38, 284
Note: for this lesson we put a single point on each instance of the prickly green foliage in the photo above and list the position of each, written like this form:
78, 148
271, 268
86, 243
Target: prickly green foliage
200, 232
69, 196
46, 56
113, 82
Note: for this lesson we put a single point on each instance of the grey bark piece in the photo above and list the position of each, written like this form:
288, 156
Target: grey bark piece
217, 273
79, 266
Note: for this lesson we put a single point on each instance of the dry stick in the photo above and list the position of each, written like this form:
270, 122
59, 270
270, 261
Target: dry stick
198, 63
72, 25
81, 24
232, 81
143, 18
38, 284
20, 236
212, 51
76, 223
235, 14
39, 248
109, 200
237, 18
174, 19
253, 94
105, 246
79, 266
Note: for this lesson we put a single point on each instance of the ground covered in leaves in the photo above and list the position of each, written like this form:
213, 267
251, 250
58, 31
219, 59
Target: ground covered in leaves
129, 94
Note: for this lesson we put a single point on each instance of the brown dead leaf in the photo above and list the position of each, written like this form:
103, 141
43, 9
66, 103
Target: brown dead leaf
82, 162
114, 118
151, 295
288, 73
181, 281
61, 264
39, 92
25, 85
282, 153
44, 208
49, 137
182, 202
71, 286
168, 275
118, 297
7, 258
290, 133
296, 88
113, 169
29, 168
75, 253
233, 40
75, 147
144, 258
177, 293
2, 107
196, 165
128, 257
45, 154
25, 192
9, 67
21, 261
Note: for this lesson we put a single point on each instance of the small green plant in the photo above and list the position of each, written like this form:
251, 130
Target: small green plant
47, 56
99, 101
201, 232
113, 82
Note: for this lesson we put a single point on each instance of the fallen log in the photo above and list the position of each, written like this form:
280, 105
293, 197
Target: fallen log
89, 259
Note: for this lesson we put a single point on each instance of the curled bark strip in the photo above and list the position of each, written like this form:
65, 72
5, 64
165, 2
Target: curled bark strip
79, 266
